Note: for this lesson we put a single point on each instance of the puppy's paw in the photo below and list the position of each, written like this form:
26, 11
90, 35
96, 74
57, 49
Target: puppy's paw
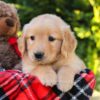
46, 75
65, 80
49, 79
64, 84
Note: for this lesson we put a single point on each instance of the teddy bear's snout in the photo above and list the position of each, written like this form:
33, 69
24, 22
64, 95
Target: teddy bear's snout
10, 22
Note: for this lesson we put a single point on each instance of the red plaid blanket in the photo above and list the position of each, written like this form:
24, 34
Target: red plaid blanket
21, 86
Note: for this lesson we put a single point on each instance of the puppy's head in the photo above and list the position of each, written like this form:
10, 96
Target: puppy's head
45, 38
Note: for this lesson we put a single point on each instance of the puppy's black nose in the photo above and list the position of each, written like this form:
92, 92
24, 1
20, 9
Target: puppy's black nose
39, 55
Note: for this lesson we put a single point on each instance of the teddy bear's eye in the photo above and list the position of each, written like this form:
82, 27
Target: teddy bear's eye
51, 38
32, 37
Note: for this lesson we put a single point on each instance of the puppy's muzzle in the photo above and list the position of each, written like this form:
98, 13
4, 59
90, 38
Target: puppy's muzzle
39, 55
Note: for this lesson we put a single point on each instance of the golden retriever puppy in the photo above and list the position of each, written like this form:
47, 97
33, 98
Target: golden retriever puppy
48, 51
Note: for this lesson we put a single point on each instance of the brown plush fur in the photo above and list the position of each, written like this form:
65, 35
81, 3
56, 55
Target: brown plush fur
60, 63
8, 57
9, 26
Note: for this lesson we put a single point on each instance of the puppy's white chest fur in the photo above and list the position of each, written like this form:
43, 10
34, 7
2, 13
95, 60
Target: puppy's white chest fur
27, 68
27, 65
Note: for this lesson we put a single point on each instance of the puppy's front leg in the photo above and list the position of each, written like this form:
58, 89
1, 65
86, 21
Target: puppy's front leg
65, 78
46, 75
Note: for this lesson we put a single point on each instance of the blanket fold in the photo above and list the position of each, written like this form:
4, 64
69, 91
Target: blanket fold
17, 85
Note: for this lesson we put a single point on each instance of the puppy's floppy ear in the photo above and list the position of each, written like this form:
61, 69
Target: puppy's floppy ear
69, 41
22, 45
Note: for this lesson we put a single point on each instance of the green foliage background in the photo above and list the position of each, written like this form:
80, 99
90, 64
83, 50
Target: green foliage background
82, 15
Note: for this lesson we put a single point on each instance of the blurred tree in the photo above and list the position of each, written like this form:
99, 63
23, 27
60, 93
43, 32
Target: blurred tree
82, 15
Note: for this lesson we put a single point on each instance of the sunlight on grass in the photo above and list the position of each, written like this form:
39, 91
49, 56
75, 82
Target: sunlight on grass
23, 7
82, 33
58, 10
19, 33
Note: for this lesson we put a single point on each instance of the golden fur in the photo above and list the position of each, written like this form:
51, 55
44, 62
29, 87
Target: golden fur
60, 63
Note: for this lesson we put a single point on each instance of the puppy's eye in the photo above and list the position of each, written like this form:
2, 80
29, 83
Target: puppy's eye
51, 38
32, 37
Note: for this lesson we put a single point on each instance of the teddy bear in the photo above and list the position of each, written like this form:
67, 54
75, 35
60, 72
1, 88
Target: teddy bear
9, 25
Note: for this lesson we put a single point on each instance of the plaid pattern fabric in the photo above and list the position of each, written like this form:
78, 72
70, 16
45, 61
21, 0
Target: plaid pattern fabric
83, 87
21, 86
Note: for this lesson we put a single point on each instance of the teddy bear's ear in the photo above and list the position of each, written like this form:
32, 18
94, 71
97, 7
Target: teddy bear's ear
16, 16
